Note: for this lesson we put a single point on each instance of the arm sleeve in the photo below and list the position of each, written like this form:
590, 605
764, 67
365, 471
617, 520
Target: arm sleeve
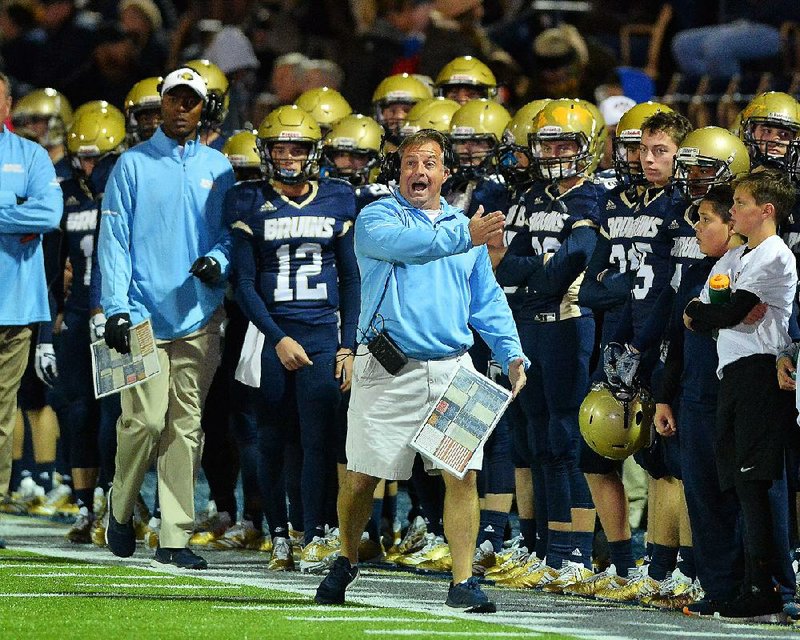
245, 268
349, 288
44, 204
708, 316
554, 276
668, 388
381, 235
221, 251
490, 315
114, 255
615, 287
656, 324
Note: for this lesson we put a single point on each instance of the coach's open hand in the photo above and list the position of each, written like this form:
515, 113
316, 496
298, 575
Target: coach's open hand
516, 374
483, 228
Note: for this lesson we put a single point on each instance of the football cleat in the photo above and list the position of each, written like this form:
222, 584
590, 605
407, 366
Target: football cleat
210, 529
11, 504
638, 586
513, 564
469, 597
332, 589
150, 533
443, 562
57, 500
535, 576
369, 550
100, 524
319, 554
81, 530
433, 548
570, 573
675, 601
590, 586
282, 558
484, 558
266, 544
242, 535
413, 541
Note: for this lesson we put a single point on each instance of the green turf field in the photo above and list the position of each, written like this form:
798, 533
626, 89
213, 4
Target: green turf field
52, 598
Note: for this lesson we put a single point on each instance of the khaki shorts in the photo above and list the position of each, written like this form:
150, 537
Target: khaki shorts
386, 411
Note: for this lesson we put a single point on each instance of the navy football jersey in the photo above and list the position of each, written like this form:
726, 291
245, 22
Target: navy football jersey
302, 250
489, 191
550, 254
79, 229
369, 193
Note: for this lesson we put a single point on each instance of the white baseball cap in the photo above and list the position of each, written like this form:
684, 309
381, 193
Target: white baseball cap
614, 107
186, 77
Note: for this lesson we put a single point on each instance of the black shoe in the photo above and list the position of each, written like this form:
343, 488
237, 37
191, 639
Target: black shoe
469, 597
178, 559
340, 577
120, 538
752, 604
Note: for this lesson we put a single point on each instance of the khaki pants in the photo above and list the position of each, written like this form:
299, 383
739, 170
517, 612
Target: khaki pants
161, 421
15, 344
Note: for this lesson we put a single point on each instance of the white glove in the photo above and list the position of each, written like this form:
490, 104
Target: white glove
45, 363
97, 327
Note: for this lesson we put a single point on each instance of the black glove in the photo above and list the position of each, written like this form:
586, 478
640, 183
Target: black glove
207, 270
118, 332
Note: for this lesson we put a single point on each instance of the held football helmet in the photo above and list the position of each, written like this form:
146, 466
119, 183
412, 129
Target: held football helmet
359, 136
399, 89
326, 105
433, 113
628, 138
616, 423
289, 124
218, 99
143, 110
97, 130
514, 154
708, 157
769, 123
242, 152
563, 123
46, 113
475, 131
466, 71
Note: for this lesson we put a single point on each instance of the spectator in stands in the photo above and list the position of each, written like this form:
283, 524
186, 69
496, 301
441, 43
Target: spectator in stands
19, 44
141, 20
287, 77
746, 30
322, 73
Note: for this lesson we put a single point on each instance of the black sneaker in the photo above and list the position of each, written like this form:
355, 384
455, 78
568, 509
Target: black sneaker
178, 559
469, 597
120, 538
752, 604
703, 607
340, 577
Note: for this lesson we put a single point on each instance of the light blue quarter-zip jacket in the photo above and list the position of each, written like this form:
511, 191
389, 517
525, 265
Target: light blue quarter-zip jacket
26, 176
162, 209
428, 283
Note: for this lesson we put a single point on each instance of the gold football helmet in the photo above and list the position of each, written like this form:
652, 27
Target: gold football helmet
515, 155
326, 105
627, 140
708, 157
770, 122
218, 98
242, 152
143, 110
476, 130
97, 130
393, 99
355, 142
432, 113
616, 424
289, 124
45, 113
465, 72
563, 139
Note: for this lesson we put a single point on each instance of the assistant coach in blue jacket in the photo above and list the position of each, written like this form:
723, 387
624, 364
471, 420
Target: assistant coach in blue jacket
163, 254
426, 278
30, 205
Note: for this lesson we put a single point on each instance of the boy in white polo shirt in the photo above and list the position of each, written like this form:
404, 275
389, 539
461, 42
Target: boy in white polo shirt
749, 438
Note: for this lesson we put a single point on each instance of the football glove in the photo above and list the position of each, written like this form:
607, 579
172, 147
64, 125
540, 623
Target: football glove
118, 332
628, 366
45, 363
97, 327
207, 270
611, 354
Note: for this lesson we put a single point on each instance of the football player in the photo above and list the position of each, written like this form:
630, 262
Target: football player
327, 106
549, 257
392, 100
215, 109
295, 275
143, 110
465, 78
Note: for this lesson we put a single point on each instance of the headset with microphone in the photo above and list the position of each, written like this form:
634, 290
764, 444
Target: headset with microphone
390, 166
